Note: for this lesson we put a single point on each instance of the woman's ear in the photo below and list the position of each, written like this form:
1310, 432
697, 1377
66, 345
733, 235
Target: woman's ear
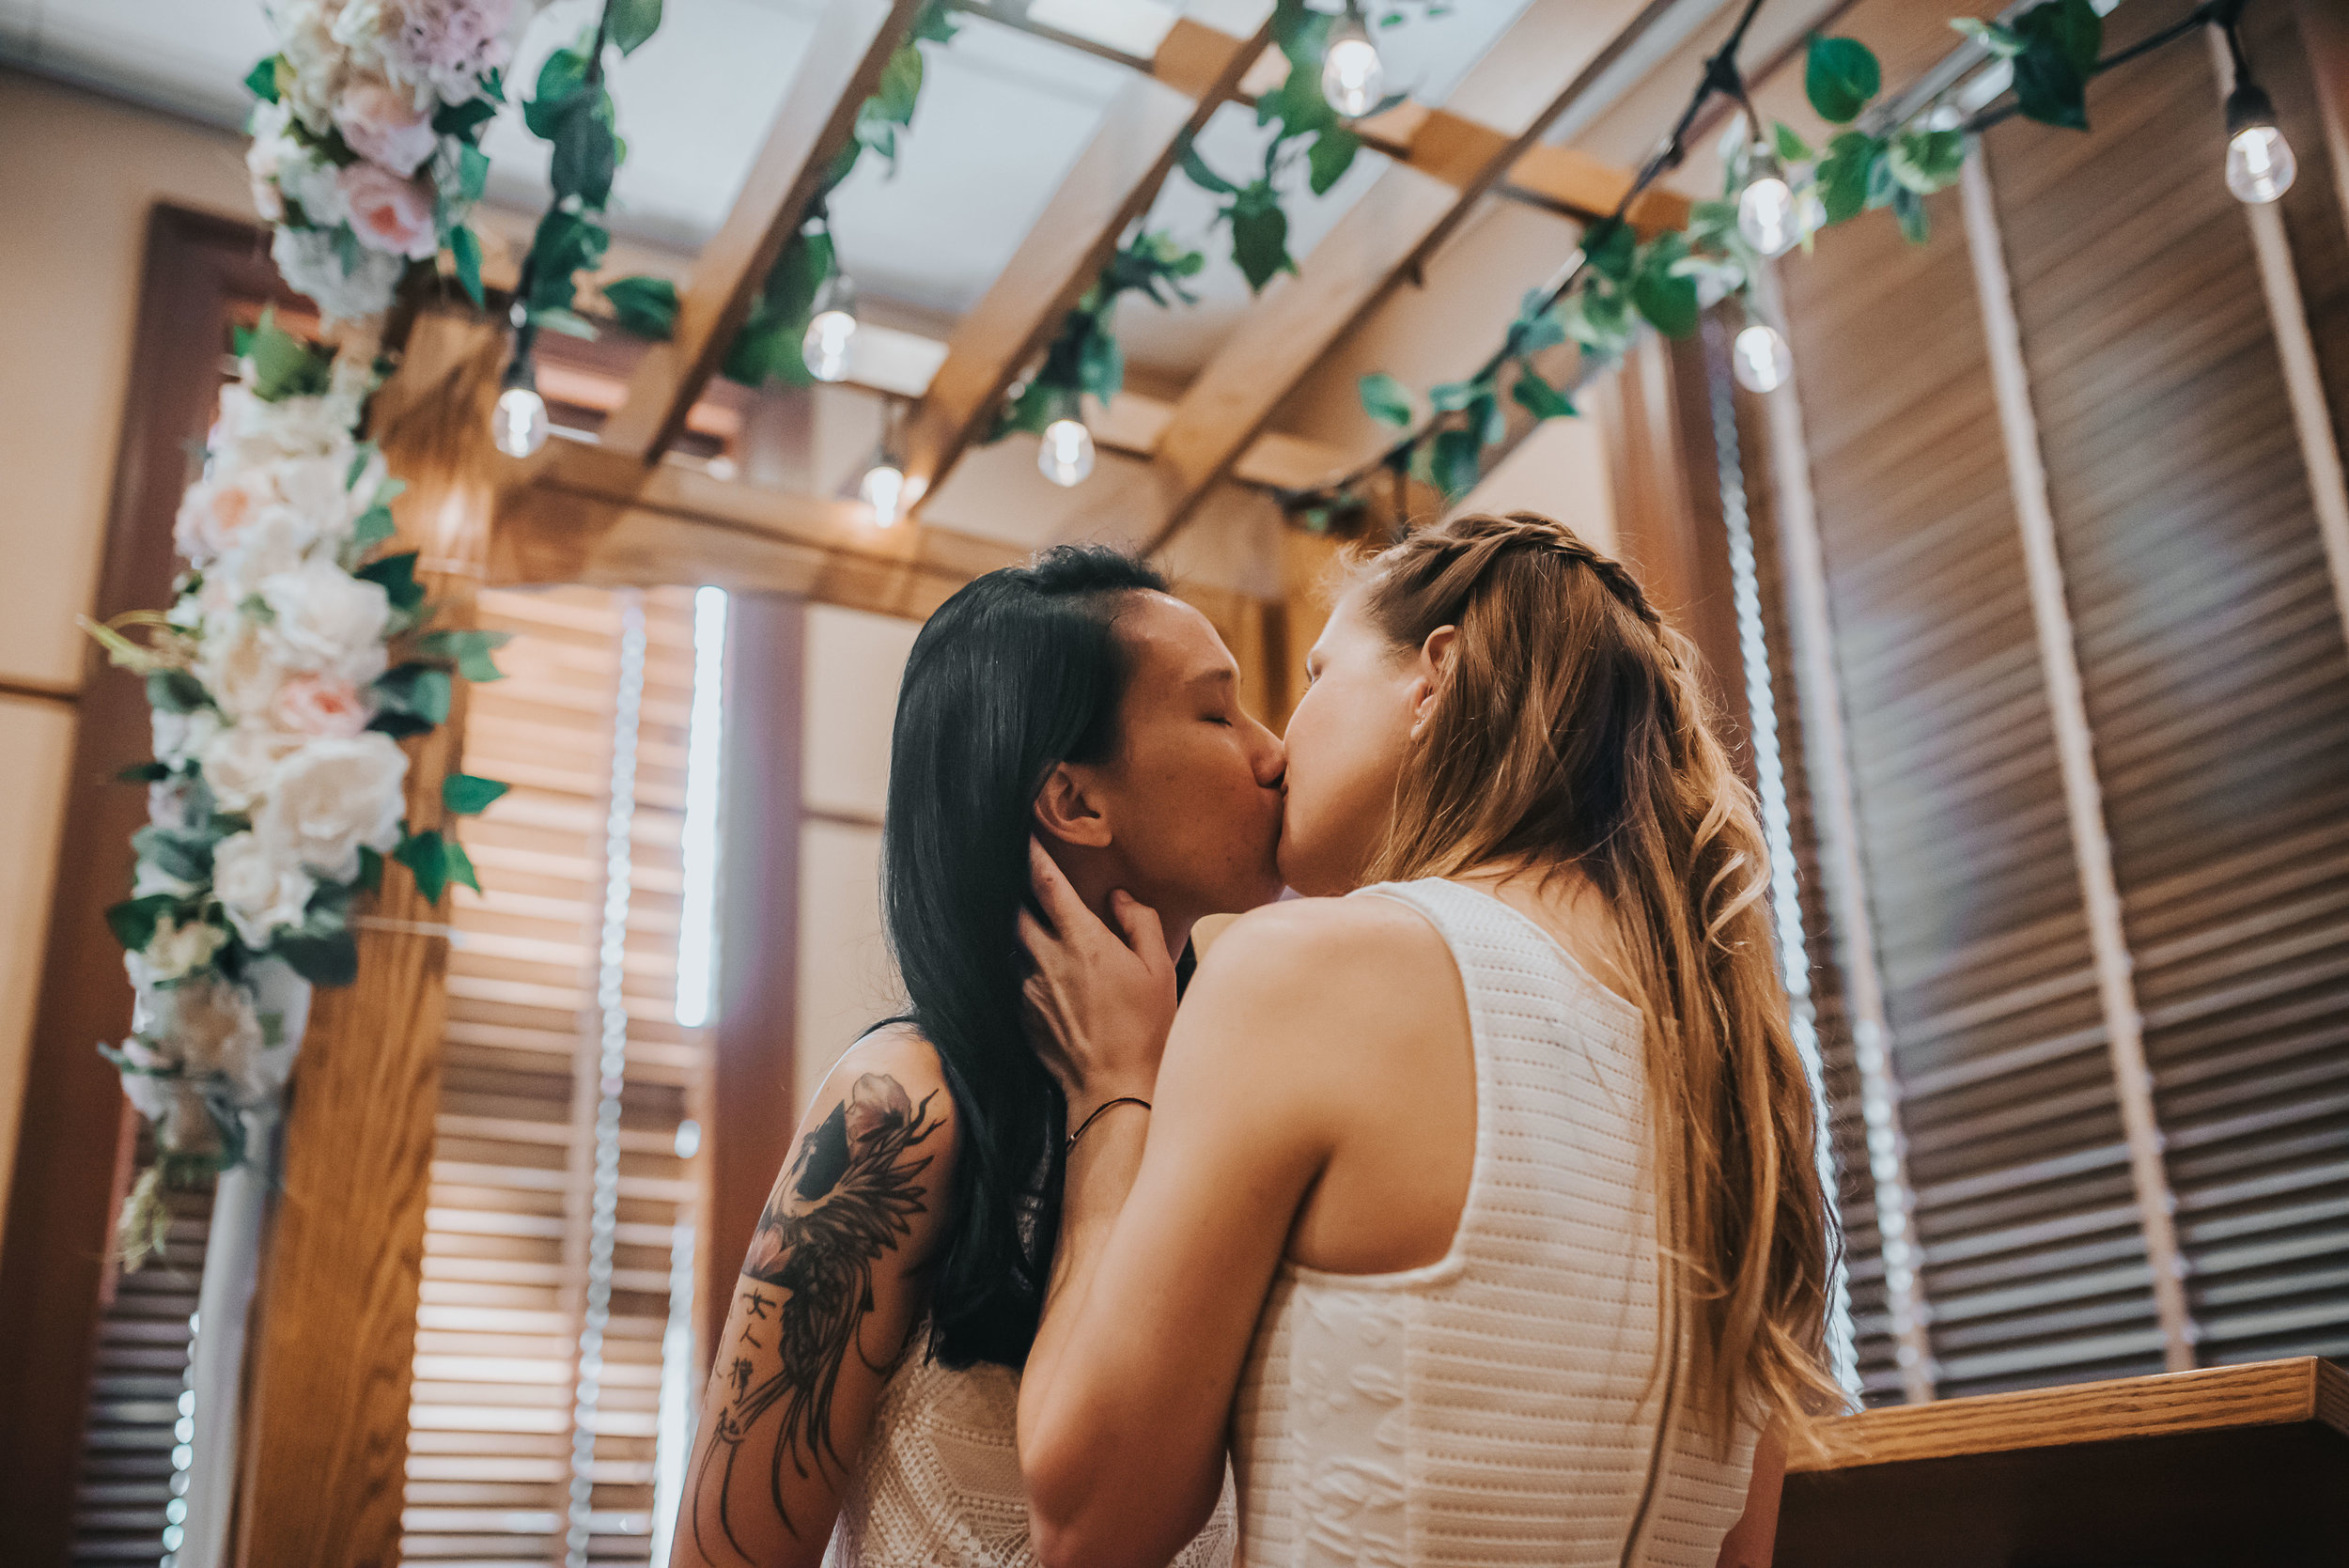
1066, 813
1429, 673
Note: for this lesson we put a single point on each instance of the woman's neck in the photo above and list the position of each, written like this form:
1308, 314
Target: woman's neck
1096, 874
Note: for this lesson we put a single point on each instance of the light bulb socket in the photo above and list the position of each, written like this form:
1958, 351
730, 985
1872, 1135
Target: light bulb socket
836, 292
520, 371
1761, 163
2249, 106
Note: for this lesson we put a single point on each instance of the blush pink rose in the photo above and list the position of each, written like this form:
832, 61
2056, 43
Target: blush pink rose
215, 512
391, 213
383, 125
320, 704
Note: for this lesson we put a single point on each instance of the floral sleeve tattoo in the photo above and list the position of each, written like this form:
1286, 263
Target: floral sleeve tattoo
848, 1196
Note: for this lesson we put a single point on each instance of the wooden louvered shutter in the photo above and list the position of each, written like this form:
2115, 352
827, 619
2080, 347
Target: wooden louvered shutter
2208, 630
2034, 1266
509, 1453
2212, 652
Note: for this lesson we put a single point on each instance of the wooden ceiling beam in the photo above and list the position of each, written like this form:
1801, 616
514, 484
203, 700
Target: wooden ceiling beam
1195, 67
583, 513
842, 68
1532, 72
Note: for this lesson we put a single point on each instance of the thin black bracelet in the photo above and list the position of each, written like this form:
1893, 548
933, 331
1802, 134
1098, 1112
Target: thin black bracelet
1123, 1100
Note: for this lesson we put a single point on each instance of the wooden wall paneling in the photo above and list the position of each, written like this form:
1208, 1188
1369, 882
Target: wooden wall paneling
755, 1032
2084, 791
70, 1153
2212, 657
329, 1366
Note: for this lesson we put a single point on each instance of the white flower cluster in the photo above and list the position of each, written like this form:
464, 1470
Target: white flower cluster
270, 783
347, 159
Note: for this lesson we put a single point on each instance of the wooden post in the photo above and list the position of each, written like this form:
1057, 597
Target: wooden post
755, 1040
327, 1419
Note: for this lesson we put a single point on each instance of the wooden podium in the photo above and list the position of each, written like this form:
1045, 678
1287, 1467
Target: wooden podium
2242, 1466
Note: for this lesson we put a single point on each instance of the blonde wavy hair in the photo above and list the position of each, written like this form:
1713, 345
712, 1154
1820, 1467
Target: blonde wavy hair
1570, 730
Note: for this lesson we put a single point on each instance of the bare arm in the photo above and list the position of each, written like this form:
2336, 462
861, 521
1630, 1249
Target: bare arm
1174, 1221
831, 1286
1754, 1536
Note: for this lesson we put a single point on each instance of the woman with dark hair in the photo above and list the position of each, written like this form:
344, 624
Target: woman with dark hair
860, 1405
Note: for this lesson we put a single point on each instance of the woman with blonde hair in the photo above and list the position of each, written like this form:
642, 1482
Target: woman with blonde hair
1478, 1209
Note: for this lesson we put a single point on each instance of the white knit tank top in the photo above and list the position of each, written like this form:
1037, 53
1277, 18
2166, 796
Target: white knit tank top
938, 1485
1501, 1405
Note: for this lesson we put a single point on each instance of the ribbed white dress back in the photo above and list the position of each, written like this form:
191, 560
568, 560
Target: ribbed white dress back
1502, 1405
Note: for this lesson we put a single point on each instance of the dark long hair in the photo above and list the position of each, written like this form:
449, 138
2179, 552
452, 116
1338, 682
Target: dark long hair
1021, 670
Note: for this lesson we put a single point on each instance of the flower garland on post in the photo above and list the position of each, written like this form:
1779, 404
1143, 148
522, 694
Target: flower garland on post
295, 655
366, 149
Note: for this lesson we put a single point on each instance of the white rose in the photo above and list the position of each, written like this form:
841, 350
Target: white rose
314, 486
315, 186
240, 765
260, 892
181, 736
274, 542
305, 258
266, 158
326, 620
177, 950
331, 798
238, 665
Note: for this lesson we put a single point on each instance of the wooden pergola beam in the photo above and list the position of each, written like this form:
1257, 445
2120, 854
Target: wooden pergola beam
1195, 67
1531, 73
853, 41
581, 513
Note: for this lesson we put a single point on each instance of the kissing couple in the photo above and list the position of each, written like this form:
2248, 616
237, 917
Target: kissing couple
1462, 1210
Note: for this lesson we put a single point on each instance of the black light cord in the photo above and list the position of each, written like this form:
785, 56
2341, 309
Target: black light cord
1721, 76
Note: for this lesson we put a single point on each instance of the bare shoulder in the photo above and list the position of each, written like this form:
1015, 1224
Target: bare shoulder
1335, 980
1326, 945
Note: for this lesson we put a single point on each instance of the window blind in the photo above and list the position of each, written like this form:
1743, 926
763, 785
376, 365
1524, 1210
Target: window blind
2213, 656
521, 1448
2211, 650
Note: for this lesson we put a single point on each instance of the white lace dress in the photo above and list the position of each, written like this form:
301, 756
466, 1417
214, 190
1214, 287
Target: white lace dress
939, 1486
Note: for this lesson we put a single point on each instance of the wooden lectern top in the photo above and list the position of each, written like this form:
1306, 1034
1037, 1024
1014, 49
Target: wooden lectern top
2227, 1466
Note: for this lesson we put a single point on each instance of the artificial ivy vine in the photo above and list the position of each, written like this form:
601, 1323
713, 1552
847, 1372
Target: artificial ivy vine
1666, 280
768, 347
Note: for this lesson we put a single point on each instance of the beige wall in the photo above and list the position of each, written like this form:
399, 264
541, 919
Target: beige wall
846, 979
79, 176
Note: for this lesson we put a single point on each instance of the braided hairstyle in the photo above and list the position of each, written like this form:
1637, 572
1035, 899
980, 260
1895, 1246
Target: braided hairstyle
1570, 733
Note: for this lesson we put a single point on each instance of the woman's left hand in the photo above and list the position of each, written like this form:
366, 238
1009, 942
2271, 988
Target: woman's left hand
1100, 1000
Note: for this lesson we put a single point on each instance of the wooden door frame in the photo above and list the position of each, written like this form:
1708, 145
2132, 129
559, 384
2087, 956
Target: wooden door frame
76, 1132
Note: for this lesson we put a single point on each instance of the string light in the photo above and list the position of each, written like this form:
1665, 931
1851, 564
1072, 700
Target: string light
831, 331
1352, 74
1760, 358
884, 490
1767, 214
1066, 456
2260, 165
520, 423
